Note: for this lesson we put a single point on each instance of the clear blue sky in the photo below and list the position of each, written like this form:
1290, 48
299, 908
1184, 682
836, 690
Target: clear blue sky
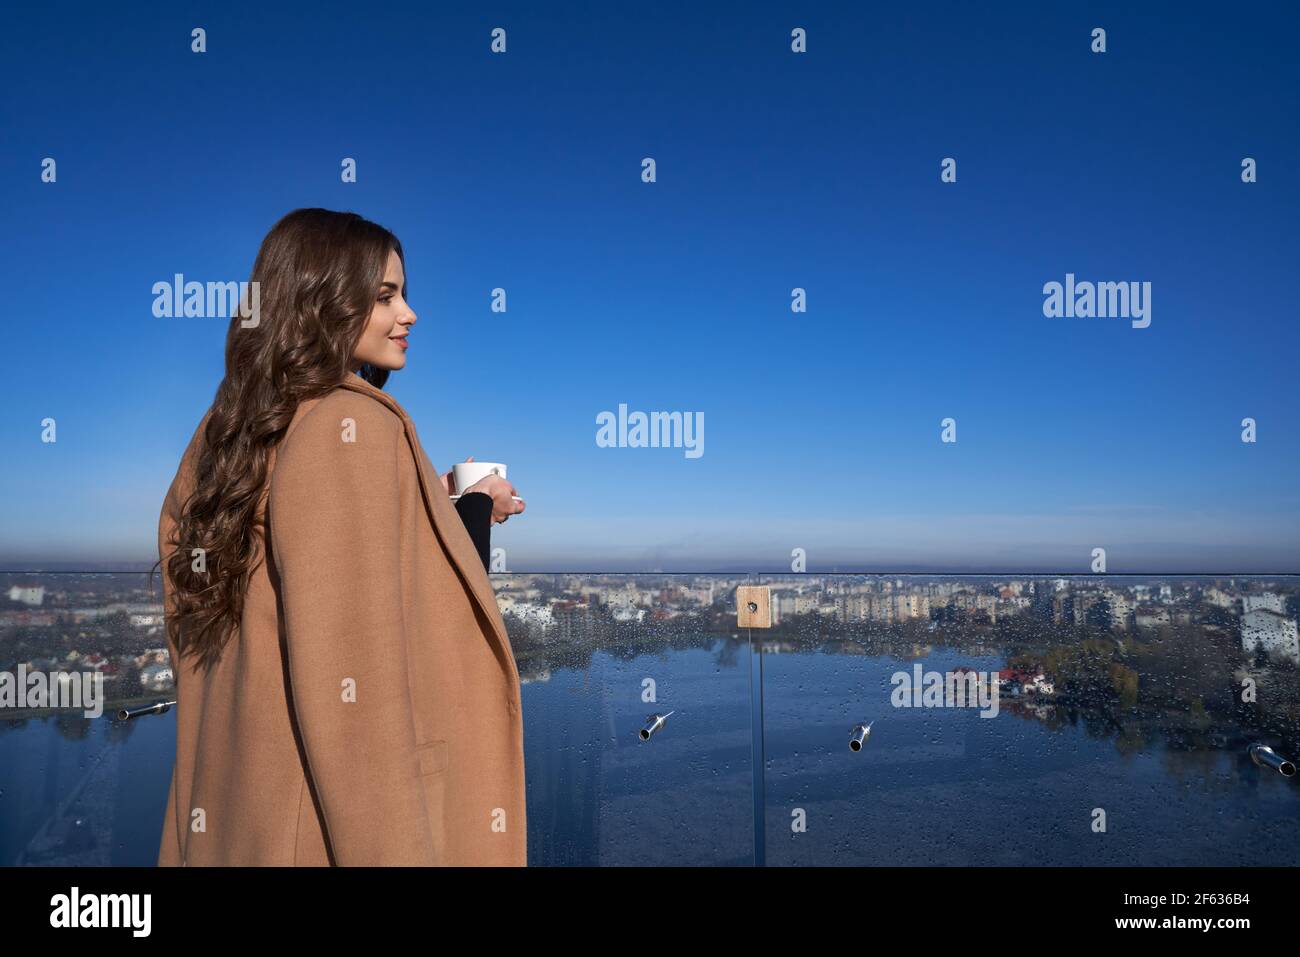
775, 170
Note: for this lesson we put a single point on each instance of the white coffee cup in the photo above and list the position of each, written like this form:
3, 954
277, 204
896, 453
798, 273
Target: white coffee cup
467, 473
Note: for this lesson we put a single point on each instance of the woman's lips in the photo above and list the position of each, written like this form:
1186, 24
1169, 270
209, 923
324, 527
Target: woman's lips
400, 340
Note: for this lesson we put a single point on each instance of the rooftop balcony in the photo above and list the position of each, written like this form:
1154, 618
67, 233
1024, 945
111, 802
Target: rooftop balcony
810, 719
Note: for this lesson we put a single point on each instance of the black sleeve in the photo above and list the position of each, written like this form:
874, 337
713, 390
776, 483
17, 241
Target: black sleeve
476, 512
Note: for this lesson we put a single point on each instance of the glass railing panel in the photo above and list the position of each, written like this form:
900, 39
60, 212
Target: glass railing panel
78, 788
1120, 732
1125, 714
598, 657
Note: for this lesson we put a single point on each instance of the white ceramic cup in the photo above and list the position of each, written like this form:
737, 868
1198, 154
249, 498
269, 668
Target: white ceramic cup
467, 473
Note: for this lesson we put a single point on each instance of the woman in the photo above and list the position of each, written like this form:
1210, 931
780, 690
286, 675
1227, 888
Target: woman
346, 691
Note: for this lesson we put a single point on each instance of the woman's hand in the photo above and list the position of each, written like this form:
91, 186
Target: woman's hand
501, 492
449, 479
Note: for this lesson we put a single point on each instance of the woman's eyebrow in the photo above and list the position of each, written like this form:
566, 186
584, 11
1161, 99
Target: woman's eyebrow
390, 285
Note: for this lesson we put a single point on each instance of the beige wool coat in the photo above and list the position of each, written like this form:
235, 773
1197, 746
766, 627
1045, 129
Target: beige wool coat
368, 710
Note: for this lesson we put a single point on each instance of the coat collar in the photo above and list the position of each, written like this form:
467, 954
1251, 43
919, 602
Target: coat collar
446, 523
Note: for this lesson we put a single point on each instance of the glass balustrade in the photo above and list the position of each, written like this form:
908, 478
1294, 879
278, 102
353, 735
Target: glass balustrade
869, 720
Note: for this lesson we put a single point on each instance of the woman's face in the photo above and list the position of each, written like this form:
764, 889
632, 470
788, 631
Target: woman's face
383, 344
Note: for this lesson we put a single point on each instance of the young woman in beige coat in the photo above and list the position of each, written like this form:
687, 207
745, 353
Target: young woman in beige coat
346, 690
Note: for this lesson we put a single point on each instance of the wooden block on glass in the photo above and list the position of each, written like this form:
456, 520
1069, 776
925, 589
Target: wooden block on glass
753, 606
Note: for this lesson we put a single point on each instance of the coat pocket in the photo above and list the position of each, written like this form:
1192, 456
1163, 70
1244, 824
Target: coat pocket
433, 756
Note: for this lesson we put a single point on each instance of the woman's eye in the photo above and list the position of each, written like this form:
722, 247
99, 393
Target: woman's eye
385, 299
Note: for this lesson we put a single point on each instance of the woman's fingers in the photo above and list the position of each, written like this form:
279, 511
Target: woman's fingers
516, 506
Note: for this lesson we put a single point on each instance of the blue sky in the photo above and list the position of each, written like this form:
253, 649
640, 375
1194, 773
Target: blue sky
775, 170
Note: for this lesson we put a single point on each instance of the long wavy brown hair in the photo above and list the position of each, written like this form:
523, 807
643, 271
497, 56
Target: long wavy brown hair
318, 274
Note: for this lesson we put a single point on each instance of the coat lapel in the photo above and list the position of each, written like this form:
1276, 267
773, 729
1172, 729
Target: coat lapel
446, 522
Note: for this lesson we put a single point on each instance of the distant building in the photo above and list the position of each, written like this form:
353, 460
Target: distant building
574, 621
849, 608
1121, 609
526, 610
27, 594
1016, 681
1040, 684
1265, 630
627, 597
911, 605
156, 677
1085, 609
25, 617
1151, 616
1013, 606
797, 604
1220, 598
1266, 601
